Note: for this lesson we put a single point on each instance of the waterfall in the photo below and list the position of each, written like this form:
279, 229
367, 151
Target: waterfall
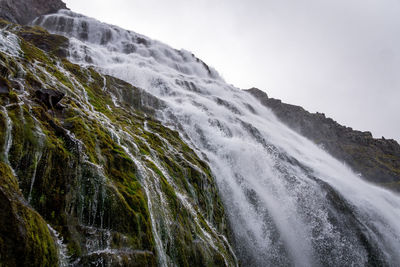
288, 201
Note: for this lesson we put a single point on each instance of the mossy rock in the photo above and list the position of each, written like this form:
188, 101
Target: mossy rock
84, 177
25, 239
50, 43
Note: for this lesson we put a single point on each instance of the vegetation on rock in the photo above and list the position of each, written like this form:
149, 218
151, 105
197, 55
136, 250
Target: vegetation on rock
119, 187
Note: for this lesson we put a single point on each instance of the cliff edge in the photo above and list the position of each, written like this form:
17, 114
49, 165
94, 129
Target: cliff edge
377, 160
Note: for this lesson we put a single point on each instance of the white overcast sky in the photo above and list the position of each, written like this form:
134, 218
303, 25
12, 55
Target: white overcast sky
339, 57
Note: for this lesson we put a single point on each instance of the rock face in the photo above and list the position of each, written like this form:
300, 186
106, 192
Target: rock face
100, 182
24, 11
378, 160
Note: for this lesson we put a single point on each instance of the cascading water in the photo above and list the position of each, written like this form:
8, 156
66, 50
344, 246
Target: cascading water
8, 135
61, 247
289, 202
9, 45
37, 157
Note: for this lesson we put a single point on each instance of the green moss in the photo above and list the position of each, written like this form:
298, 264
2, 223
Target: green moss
79, 73
31, 53
84, 133
125, 206
8, 181
67, 183
25, 239
40, 38
4, 23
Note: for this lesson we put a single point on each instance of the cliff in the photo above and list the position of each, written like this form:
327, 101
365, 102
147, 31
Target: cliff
89, 180
24, 11
377, 160
93, 170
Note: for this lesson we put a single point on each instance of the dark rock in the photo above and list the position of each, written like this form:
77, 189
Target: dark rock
49, 97
4, 86
378, 160
106, 36
129, 48
24, 11
142, 41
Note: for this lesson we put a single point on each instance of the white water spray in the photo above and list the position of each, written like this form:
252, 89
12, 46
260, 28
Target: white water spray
9, 43
289, 202
63, 258
7, 137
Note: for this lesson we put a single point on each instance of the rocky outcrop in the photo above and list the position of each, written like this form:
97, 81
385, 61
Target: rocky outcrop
24, 11
378, 160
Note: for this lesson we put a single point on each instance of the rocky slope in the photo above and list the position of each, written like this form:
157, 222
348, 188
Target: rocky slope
377, 160
89, 180
24, 11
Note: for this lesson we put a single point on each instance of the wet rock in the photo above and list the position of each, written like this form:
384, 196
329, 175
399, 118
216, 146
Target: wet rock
50, 98
4, 86
142, 41
129, 48
24, 11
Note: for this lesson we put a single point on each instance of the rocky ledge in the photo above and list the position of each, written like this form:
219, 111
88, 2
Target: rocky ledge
377, 160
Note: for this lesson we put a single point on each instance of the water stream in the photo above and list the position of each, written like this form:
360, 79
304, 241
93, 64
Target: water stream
62, 251
7, 138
